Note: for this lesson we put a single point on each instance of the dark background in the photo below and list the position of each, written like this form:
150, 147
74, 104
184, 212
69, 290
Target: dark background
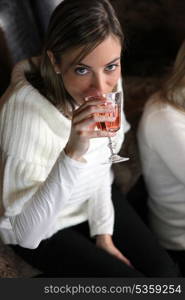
154, 31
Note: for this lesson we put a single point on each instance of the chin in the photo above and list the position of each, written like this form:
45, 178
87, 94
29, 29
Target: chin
79, 100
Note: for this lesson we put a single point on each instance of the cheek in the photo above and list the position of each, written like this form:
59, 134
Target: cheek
118, 73
70, 82
75, 85
79, 85
112, 80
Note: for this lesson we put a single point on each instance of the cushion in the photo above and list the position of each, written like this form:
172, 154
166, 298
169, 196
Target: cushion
12, 266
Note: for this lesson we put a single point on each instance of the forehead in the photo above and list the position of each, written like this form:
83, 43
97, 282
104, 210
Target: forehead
106, 51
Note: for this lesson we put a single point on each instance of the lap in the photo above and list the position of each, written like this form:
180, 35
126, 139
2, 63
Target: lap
72, 253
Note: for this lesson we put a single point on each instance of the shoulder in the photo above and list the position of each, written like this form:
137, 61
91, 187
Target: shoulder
18, 73
20, 90
159, 119
28, 104
21, 100
28, 120
157, 110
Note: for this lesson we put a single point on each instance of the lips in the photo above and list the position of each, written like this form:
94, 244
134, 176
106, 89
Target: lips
92, 93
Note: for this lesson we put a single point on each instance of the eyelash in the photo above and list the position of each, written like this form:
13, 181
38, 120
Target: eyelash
78, 69
112, 65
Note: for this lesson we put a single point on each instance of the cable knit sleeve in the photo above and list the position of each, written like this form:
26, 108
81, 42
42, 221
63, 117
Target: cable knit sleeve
37, 178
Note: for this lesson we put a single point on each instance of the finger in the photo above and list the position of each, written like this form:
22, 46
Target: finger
90, 103
92, 120
125, 260
96, 134
94, 112
89, 98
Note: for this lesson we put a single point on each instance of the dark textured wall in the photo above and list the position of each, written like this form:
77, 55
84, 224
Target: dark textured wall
154, 30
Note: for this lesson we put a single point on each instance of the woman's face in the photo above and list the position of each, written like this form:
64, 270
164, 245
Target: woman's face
96, 74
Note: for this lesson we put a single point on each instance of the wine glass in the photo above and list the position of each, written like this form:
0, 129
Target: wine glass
115, 98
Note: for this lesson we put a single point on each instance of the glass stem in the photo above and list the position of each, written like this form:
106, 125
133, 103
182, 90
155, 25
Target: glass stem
110, 146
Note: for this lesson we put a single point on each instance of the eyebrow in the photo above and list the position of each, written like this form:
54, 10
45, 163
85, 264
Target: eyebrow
111, 62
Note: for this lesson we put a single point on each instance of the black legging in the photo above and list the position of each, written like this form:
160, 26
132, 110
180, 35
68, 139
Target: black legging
72, 253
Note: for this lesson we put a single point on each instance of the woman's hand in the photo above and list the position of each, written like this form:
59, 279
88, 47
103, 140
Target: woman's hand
83, 126
105, 242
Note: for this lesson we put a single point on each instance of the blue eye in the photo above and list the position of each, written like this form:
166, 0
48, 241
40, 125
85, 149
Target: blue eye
111, 67
81, 71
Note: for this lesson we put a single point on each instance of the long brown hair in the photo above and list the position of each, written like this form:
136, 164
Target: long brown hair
173, 89
73, 24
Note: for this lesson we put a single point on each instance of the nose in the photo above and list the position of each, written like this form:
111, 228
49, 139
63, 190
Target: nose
99, 82
98, 85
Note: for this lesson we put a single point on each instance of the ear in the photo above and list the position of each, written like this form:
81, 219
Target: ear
53, 61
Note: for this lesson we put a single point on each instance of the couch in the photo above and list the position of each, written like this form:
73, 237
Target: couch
151, 45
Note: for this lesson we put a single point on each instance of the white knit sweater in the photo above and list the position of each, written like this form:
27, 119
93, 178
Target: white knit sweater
42, 190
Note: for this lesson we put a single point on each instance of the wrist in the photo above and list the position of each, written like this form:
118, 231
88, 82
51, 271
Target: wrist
68, 151
103, 238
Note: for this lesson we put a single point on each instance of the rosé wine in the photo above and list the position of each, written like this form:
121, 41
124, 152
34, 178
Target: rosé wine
112, 126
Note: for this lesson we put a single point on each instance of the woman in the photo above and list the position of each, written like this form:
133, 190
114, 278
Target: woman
161, 138
55, 188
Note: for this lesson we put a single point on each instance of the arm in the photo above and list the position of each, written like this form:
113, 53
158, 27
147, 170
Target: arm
100, 208
101, 219
165, 133
37, 212
32, 193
